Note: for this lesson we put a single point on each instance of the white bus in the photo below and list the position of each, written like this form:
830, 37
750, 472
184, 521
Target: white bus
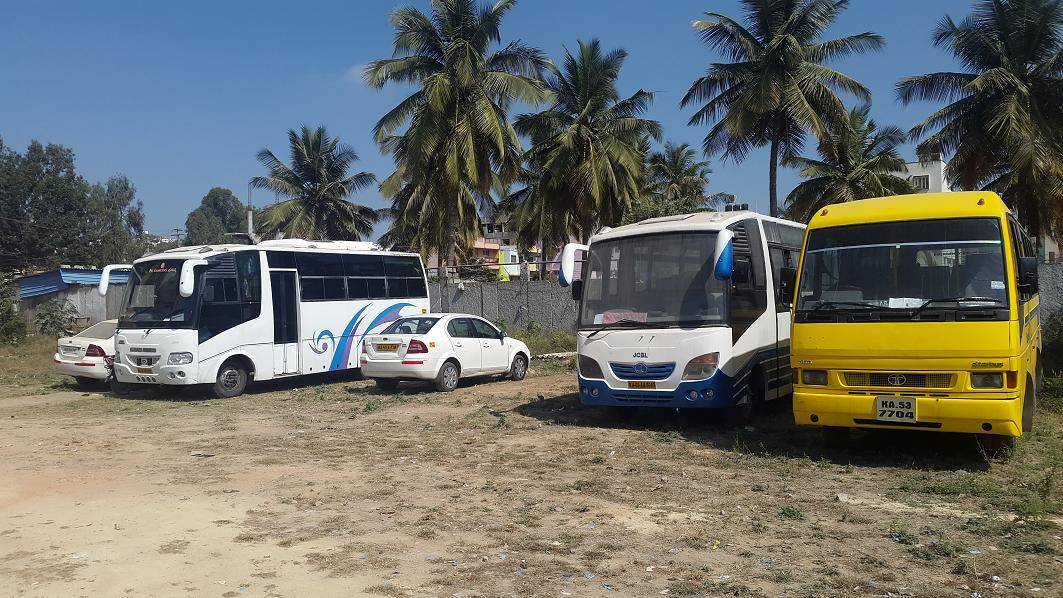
686, 311
224, 315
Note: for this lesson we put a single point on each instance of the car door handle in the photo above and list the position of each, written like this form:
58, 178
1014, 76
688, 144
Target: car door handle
456, 344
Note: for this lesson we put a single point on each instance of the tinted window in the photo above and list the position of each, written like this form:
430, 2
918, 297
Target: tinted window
416, 287
460, 328
311, 289
411, 326
280, 259
397, 288
319, 264
376, 288
335, 289
357, 288
402, 266
484, 330
363, 265
232, 293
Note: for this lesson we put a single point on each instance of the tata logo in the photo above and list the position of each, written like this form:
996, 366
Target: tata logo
896, 379
639, 355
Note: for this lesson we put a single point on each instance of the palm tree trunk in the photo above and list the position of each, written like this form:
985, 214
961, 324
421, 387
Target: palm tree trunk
446, 253
773, 178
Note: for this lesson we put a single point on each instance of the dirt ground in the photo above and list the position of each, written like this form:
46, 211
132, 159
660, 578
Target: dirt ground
501, 488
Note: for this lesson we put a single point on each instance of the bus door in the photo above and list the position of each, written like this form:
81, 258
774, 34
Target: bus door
780, 382
285, 323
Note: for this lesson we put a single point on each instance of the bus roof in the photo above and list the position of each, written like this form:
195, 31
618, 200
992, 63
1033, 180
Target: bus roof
920, 206
206, 251
707, 221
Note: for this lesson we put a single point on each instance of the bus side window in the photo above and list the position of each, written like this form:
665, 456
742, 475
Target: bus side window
748, 290
781, 257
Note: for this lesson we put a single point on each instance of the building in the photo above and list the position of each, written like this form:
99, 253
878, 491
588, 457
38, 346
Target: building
927, 177
78, 287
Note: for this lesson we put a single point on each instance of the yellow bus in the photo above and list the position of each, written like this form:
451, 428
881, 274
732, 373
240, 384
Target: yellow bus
917, 312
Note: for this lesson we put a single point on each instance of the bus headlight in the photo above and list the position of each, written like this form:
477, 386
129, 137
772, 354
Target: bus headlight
179, 359
701, 367
589, 368
814, 377
987, 380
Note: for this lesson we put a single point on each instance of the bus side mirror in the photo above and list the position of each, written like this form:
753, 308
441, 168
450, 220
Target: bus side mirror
106, 275
1028, 274
187, 285
787, 280
577, 290
567, 275
723, 258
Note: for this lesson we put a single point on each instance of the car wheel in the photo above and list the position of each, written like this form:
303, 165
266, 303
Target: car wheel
120, 388
386, 383
447, 378
84, 383
231, 381
519, 369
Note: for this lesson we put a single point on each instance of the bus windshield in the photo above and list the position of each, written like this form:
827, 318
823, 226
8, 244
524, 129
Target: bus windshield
904, 265
154, 300
663, 279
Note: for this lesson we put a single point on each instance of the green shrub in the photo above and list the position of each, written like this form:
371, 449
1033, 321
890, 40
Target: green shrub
1052, 351
12, 326
55, 318
541, 341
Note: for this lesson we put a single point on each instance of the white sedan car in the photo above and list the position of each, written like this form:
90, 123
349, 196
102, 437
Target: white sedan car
86, 355
442, 348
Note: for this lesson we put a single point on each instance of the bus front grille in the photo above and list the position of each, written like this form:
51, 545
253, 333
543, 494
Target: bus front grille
642, 371
898, 379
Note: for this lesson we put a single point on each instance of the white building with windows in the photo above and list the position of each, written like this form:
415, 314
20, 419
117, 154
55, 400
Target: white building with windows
927, 177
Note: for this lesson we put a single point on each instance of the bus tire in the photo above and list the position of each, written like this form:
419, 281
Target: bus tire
1029, 406
120, 388
519, 368
386, 383
231, 380
447, 378
740, 415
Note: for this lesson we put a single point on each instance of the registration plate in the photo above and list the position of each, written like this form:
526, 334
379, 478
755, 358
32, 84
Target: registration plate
895, 409
387, 347
143, 370
642, 385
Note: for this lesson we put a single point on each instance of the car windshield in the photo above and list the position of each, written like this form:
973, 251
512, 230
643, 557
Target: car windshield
154, 300
411, 326
663, 279
904, 265
103, 329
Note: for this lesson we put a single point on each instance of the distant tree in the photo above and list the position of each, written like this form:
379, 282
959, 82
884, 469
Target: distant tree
675, 173
857, 160
777, 86
316, 185
218, 213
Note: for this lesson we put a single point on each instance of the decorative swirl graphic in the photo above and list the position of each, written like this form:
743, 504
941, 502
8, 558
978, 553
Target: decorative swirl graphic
321, 342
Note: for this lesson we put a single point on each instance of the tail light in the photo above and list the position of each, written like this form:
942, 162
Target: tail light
416, 346
95, 351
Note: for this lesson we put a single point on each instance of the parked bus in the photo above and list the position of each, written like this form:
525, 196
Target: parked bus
224, 315
685, 311
918, 312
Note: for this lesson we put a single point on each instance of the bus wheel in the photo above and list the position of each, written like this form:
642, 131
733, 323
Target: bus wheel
386, 383
995, 446
1029, 406
231, 381
739, 415
447, 378
120, 388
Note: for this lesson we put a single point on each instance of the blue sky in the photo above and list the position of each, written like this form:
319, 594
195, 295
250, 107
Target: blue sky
179, 96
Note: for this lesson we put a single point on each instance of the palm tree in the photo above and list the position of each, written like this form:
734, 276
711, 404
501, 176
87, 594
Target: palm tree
777, 86
458, 142
675, 173
1002, 126
857, 160
586, 162
317, 185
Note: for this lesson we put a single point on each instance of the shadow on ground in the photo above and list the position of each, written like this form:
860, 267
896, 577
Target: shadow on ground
772, 433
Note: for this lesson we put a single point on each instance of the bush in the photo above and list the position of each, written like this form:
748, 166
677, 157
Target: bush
541, 341
55, 318
1052, 351
12, 326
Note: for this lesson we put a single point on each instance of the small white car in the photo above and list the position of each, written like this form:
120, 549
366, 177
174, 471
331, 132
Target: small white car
442, 348
87, 355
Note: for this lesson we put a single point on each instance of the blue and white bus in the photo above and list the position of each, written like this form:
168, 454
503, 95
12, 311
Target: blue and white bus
225, 315
686, 311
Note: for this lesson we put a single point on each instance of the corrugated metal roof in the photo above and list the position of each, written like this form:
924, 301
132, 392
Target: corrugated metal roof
54, 281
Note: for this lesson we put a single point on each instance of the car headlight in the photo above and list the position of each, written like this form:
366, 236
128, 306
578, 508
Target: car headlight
987, 380
701, 367
814, 377
179, 359
589, 368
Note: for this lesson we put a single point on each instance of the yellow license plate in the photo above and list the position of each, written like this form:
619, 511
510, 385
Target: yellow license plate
143, 370
387, 347
642, 385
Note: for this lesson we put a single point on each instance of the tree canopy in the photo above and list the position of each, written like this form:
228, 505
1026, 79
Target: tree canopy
218, 213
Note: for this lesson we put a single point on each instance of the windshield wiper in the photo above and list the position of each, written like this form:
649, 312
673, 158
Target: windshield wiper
837, 304
930, 302
625, 321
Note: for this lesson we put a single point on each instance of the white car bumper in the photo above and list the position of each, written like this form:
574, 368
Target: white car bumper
410, 369
85, 367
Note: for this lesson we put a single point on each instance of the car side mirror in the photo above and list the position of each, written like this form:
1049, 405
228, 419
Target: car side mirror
787, 280
577, 289
1028, 282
